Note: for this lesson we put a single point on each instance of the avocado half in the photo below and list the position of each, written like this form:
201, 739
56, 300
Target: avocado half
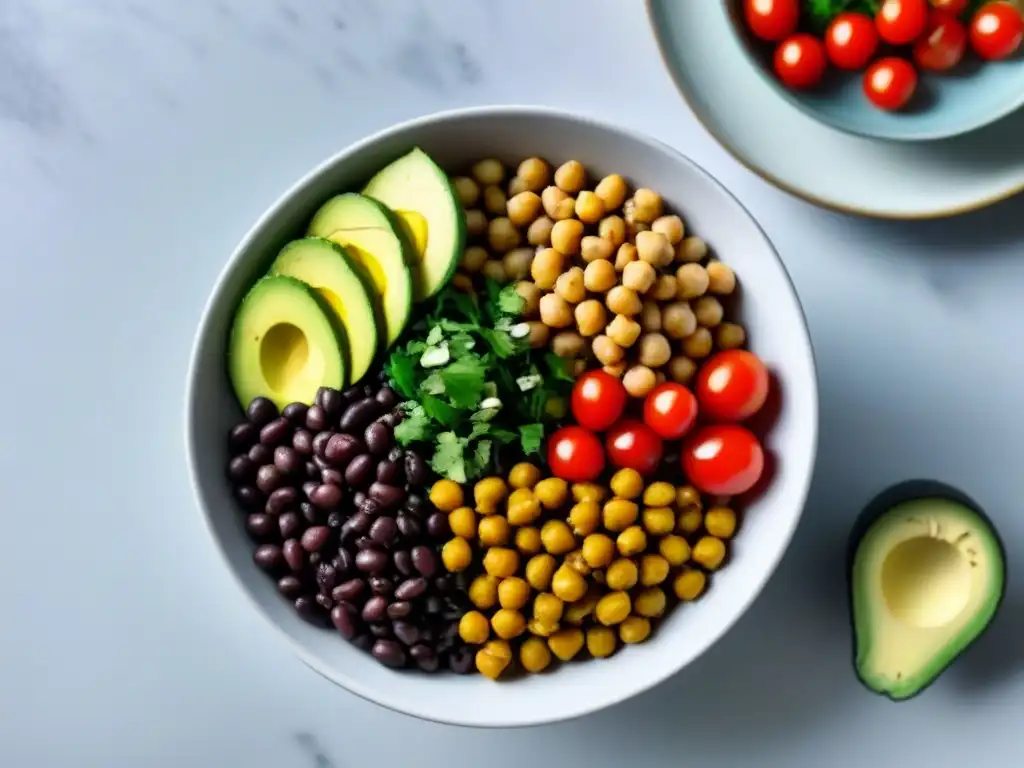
927, 576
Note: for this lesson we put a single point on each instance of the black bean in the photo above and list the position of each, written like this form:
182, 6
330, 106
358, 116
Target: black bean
276, 432
345, 619
379, 585
358, 416
308, 609
302, 441
314, 538
312, 472
241, 469
442, 584
403, 562
293, 554
315, 559
391, 420
359, 471
326, 496
261, 455
415, 468
399, 610
320, 440
268, 557
388, 472
371, 561
290, 586
408, 634
396, 454
361, 523
410, 527
342, 448
434, 605
363, 642
425, 657
295, 413
326, 577
281, 500
349, 590
344, 562
260, 526
316, 419
321, 464
425, 561
389, 653
332, 476
269, 478
290, 524
386, 397
415, 505
310, 513
377, 438
449, 635
331, 401
369, 390
410, 589
358, 498
286, 459
261, 411
250, 498
243, 436
309, 486
428, 635
324, 601
370, 508
462, 581
335, 519
388, 496
375, 609
437, 526
365, 542
383, 530
460, 661
382, 630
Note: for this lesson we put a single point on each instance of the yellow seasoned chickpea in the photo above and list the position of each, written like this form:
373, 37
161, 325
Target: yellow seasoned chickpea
658, 521
613, 230
493, 658
659, 494
679, 320
501, 562
494, 269
654, 350
650, 316
566, 643
606, 350
709, 552
653, 570
462, 282
535, 172
599, 276
691, 250
622, 574
539, 571
541, 628
584, 517
720, 522
548, 608
530, 295
523, 507
495, 201
473, 259
669, 226
619, 514
612, 190
598, 550
664, 288
601, 642
623, 330
494, 531
730, 336
513, 593
681, 369
538, 234
476, 222
456, 555
649, 602
528, 540
631, 541
467, 190
616, 370
675, 549
552, 492
721, 278
708, 311
593, 248
534, 655
624, 255
517, 263
590, 317
691, 281
483, 592
689, 520
516, 186
639, 381
502, 236
588, 492
613, 608
488, 171
698, 344
589, 208
570, 176
462, 521
567, 584
523, 475
539, 334
555, 311
569, 285
627, 483
446, 495
689, 584
653, 248
566, 236
557, 205
623, 301
488, 493
546, 267
649, 205
635, 629
474, 628
568, 344
577, 612
639, 276
557, 537
687, 495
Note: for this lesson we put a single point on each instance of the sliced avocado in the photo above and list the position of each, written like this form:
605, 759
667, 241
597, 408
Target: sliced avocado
422, 196
926, 579
330, 271
370, 235
284, 344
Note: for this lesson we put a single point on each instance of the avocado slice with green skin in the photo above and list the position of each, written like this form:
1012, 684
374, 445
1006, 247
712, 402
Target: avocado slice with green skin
369, 233
329, 270
420, 193
284, 344
927, 576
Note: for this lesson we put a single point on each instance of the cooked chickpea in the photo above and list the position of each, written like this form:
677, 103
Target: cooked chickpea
691, 250
530, 295
626, 483
483, 592
462, 282
523, 475
446, 495
664, 288
566, 643
649, 602
502, 236
601, 642
513, 593
691, 281
539, 571
631, 541
612, 229
539, 232
649, 205
709, 552
467, 190
567, 584
593, 248
720, 522
547, 608
555, 311
557, 205
675, 549
612, 190
619, 514
584, 517
495, 201
589, 208
557, 537
599, 276
541, 628
494, 269
476, 222
625, 254
658, 521
523, 208
730, 336
623, 331
679, 320
516, 186
621, 575
654, 350
721, 278
528, 540
590, 319
588, 492
569, 285
689, 584
598, 550
653, 570
493, 658
623, 301
613, 608
474, 628
653, 248
578, 563
462, 521
488, 171
650, 316
535, 172
539, 334
639, 276
689, 519
551, 492
616, 370
488, 493
698, 344
659, 494
494, 531
473, 259
456, 555
575, 613
501, 562
606, 350
681, 369
566, 236
669, 226
546, 267
534, 655
639, 381
570, 176
708, 311
568, 344
635, 629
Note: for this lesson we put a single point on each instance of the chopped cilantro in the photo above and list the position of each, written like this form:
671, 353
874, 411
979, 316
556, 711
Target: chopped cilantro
510, 302
414, 427
530, 437
464, 381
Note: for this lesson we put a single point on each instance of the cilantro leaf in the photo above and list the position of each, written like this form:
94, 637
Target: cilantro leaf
464, 381
503, 345
493, 296
481, 457
530, 437
558, 366
401, 368
433, 384
510, 302
435, 336
414, 427
449, 457
438, 410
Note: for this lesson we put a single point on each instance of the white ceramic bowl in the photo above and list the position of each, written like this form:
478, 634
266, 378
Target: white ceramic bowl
777, 330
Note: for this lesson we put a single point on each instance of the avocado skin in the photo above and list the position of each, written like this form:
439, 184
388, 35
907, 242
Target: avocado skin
909, 490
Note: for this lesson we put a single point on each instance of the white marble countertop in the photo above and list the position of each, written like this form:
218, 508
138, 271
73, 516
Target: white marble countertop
138, 141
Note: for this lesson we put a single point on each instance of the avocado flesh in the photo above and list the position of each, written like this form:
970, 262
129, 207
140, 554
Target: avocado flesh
420, 193
927, 578
372, 238
283, 344
329, 270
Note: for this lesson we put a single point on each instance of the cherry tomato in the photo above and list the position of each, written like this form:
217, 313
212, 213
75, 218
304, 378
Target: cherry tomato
851, 40
732, 385
901, 22
723, 460
670, 410
890, 82
598, 399
633, 445
943, 43
997, 30
575, 454
772, 20
955, 7
800, 61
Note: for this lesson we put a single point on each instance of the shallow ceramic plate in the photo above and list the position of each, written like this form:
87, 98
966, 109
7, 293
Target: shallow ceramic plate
807, 158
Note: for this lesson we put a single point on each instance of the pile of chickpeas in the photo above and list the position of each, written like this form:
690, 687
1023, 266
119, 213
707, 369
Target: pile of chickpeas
564, 571
609, 279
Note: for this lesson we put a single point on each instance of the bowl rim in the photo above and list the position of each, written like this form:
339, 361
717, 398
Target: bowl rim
393, 702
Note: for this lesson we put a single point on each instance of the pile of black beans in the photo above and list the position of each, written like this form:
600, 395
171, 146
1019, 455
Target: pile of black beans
339, 516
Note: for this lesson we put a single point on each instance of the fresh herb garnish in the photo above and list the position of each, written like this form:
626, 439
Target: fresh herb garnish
820, 13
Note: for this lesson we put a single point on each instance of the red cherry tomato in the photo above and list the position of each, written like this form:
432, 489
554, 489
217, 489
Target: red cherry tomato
723, 460
670, 410
955, 7
800, 61
943, 43
997, 30
851, 40
732, 385
901, 22
634, 445
598, 399
890, 82
575, 454
772, 20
